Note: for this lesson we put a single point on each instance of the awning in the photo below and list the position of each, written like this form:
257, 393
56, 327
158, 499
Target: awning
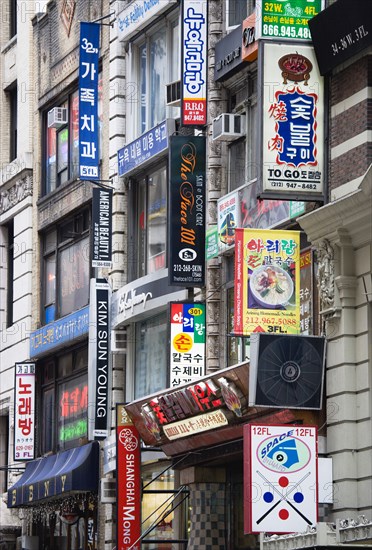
53, 476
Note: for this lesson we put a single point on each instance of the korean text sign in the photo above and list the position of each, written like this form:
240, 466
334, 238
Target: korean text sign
88, 101
293, 122
128, 468
24, 411
287, 20
280, 478
267, 281
194, 63
187, 342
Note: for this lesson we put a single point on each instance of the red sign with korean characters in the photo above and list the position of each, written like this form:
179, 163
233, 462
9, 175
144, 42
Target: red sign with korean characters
128, 468
187, 342
267, 281
24, 411
280, 478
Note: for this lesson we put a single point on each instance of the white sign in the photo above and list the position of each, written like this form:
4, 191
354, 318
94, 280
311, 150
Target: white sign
293, 122
24, 411
280, 478
138, 14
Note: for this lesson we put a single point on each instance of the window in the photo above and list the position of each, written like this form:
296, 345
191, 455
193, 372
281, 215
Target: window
12, 18
149, 199
10, 275
64, 401
62, 144
66, 267
156, 63
237, 164
237, 11
4, 442
13, 120
151, 356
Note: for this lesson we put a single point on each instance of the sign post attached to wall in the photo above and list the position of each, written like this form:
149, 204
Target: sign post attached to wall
102, 227
24, 411
88, 101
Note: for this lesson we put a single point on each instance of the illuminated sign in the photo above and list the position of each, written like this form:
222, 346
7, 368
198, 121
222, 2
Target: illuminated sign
286, 20
24, 411
73, 430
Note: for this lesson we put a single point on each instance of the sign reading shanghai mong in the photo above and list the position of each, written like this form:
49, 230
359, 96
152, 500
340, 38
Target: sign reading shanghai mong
267, 281
186, 220
194, 63
286, 20
88, 101
280, 478
293, 125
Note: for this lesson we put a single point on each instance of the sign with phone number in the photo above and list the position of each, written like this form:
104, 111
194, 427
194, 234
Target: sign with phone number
286, 19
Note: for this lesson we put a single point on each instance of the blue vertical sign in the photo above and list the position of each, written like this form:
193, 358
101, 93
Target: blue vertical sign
88, 101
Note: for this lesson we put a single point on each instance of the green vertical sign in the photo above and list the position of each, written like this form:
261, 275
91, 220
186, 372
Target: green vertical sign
285, 19
211, 243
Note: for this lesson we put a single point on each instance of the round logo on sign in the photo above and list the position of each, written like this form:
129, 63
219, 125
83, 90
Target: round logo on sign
128, 440
282, 453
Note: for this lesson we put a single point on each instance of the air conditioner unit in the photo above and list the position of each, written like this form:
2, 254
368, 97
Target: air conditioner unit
57, 117
228, 127
286, 371
119, 341
174, 94
108, 491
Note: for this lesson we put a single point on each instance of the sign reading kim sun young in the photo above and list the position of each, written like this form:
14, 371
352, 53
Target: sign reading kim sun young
102, 227
99, 374
24, 411
187, 342
280, 478
267, 281
186, 220
194, 63
292, 123
128, 478
88, 101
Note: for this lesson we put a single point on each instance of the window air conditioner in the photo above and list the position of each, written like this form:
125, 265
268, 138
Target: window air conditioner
228, 127
174, 94
57, 117
108, 490
119, 341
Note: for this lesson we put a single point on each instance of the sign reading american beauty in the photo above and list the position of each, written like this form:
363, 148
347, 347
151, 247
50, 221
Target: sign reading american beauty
186, 220
24, 411
128, 488
187, 342
267, 281
194, 63
101, 227
280, 478
88, 101
286, 20
292, 122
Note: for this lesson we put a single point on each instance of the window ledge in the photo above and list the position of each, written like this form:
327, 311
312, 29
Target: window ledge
9, 45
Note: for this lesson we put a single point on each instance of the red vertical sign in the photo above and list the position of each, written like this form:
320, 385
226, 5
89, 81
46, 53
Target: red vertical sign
128, 470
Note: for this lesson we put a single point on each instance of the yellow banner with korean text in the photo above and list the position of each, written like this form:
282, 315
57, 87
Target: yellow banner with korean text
267, 281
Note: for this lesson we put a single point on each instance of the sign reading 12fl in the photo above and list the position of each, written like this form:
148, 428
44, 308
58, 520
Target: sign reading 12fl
280, 478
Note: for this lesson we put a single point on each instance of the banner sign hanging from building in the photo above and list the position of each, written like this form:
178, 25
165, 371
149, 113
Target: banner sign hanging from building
187, 342
267, 281
293, 123
102, 227
280, 478
194, 63
128, 478
88, 101
278, 20
24, 411
186, 220
99, 374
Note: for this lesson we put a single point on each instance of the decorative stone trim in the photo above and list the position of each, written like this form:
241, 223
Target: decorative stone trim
326, 275
15, 194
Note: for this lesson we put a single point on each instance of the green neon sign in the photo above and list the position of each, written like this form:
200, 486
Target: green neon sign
285, 19
73, 430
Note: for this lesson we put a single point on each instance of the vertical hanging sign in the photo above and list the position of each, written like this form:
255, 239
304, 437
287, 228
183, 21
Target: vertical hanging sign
102, 227
88, 101
194, 63
99, 368
128, 476
186, 221
24, 411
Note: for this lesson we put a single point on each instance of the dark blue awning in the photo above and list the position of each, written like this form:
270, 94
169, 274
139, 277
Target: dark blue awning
53, 476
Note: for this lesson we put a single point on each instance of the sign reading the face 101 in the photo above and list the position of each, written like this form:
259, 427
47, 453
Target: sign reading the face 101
285, 19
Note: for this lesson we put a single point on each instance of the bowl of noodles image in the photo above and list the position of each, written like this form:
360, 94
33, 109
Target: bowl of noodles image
271, 286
